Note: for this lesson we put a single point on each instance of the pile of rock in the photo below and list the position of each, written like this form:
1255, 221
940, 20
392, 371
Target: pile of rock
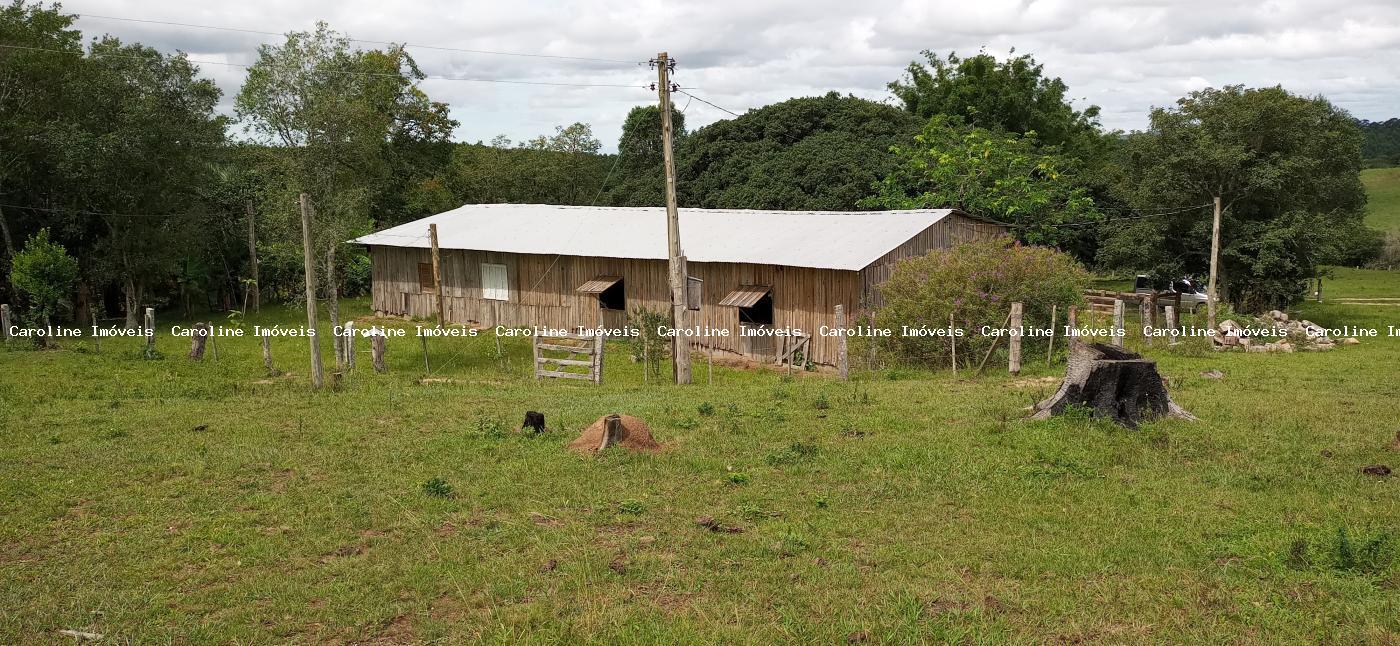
1289, 335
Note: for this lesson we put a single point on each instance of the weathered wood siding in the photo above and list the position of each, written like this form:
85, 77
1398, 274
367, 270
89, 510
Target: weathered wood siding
944, 234
542, 289
542, 293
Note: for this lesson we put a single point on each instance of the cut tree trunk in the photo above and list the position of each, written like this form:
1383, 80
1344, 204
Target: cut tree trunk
1113, 383
198, 338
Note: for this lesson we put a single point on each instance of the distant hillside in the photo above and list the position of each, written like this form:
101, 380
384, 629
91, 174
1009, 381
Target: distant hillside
1381, 147
1383, 197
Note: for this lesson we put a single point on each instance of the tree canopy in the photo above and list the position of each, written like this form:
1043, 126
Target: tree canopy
1012, 95
1286, 168
812, 153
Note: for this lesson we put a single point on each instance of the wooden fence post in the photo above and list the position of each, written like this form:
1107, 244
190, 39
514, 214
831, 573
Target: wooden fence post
427, 369
953, 342
1171, 324
1118, 307
1072, 317
377, 347
5, 323
309, 272
1014, 342
1319, 289
1145, 314
199, 336
349, 345
535, 365
267, 352
1050, 351
710, 374
842, 367
597, 358
150, 331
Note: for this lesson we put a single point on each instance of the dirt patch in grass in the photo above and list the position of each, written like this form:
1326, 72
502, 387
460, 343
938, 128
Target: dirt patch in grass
636, 436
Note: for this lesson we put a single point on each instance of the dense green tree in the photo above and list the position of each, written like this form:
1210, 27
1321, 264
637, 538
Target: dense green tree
339, 111
1013, 95
639, 178
35, 72
1286, 169
1381, 146
129, 163
812, 153
1001, 176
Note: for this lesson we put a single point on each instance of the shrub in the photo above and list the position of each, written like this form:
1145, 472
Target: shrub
976, 283
631, 506
44, 274
647, 346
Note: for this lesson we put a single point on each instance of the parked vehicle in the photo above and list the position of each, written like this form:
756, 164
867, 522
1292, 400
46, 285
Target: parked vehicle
1192, 294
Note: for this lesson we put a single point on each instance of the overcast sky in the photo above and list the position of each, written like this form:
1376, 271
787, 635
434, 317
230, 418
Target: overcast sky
1124, 56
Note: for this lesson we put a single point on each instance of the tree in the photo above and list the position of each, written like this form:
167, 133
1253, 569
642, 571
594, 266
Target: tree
640, 179
339, 112
1011, 95
137, 143
1381, 147
574, 138
32, 85
44, 274
813, 153
1285, 167
1001, 176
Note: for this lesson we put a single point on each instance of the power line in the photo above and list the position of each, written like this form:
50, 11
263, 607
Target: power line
372, 42
348, 72
682, 91
100, 213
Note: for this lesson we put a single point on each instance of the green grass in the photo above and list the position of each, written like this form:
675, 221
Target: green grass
1383, 197
171, 500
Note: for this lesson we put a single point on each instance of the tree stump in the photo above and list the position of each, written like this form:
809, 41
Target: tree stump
378, 345
612, 431
198, 337
1113, 383
533, 420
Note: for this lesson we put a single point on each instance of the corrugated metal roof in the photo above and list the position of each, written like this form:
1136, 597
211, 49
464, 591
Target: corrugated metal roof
598, 285
820, 239
745, 296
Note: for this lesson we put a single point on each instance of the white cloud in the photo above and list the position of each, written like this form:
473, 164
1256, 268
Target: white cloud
1124, 55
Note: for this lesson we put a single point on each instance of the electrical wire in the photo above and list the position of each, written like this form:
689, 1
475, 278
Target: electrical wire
98, 213
348, 72
682, 91
364, 40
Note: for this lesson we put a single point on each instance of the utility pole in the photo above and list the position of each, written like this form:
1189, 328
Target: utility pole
256, 290
679, 313
310, 261
437, 271
1214, 263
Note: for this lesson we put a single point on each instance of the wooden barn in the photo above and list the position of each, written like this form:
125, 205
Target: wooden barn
541, 266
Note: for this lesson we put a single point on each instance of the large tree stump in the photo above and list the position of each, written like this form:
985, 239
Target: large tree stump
198, 337
1113, 383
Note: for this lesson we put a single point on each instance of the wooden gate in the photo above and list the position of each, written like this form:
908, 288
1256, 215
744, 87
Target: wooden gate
569, 356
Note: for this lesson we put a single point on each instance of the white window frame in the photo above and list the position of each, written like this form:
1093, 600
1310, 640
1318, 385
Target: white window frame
495, 282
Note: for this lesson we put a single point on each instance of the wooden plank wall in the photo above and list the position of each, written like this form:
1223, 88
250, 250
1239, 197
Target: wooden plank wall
542, 293
944, 234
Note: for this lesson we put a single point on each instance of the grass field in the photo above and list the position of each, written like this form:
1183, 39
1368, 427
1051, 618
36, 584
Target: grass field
169, 500
1383, 194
